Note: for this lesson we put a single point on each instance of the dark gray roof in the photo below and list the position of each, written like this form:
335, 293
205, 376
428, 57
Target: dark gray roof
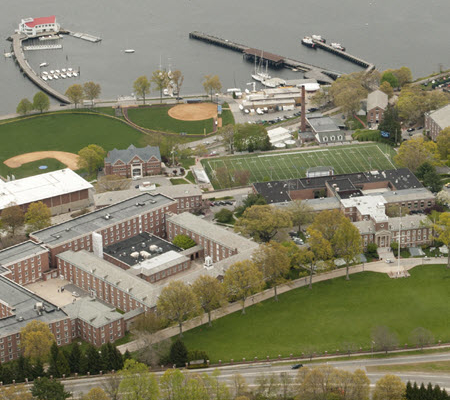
19, 252
24, 302
144, 153
101, 219
441, 116
322, 124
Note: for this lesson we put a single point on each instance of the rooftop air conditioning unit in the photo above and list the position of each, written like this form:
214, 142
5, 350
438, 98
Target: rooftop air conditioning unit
134, 254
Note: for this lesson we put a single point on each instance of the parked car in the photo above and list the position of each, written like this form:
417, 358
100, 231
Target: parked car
297, 366
410, 129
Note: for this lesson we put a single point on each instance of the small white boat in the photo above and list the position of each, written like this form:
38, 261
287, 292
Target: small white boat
319, 38
129, 51
55, 76
69, 69
337, 46
44, 73
57, 71
308, 42
44, 77
52, 71
64, 76
50, 78
44, 64
69, 74
64, 70
75, 73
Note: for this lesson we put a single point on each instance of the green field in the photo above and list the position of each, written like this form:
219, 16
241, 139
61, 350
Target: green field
287, 165
158, 119
333, 313
64, 132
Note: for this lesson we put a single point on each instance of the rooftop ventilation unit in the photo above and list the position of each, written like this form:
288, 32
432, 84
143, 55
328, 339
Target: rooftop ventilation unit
135, 254
153, 248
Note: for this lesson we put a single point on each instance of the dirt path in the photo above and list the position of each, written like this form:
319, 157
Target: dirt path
69, 159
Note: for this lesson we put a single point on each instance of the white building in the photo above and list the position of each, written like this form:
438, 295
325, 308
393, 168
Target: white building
35, 26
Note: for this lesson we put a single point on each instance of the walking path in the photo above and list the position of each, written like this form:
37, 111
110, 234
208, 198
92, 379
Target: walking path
378, 266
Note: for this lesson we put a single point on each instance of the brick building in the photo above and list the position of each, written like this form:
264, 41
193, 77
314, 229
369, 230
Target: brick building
189, 197
62, 191
133, 162
436, 121
143, 213
27, 262
217, 242
377, 102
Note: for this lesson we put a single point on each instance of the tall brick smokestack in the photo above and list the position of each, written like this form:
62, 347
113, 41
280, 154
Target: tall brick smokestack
303, 123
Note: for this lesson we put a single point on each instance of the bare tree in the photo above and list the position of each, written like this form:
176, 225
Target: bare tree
384, 339
421, 337
111, 386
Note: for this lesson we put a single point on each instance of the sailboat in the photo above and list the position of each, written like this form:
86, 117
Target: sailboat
259, 75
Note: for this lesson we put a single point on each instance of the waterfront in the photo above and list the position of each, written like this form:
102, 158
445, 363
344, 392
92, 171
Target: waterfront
400, 33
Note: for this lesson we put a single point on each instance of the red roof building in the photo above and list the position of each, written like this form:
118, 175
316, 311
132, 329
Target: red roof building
36, 26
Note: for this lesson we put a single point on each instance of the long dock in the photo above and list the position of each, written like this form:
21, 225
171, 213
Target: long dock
20, 59
322, 75
355, 60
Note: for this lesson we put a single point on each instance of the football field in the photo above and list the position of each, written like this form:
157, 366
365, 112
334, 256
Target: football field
294, 164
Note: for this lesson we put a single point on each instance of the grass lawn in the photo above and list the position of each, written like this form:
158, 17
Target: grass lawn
334, 312
157, 118
178, 181
288, 165
436, 366
63, 132
190, 177
32, 168
227, 115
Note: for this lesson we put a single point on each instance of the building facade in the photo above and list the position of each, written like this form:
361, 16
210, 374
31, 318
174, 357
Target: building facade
436, 121
377, 102
35, 26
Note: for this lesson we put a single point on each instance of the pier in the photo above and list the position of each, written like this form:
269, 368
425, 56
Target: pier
355, 60
322, 75
85, 36
20, 59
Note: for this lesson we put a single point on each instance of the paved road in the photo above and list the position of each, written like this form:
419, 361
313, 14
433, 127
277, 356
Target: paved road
251, 372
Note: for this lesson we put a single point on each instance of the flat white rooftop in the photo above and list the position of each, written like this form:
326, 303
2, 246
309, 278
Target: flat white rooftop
368, 205
40, 187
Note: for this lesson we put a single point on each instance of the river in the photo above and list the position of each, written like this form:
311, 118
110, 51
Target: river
385, 32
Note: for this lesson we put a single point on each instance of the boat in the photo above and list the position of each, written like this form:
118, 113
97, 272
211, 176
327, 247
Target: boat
50, 77
70, 69
318, 38
55, 76
259, 75
69, 74
57, 71
44, 77
269, 84
64, 70
52, 72
75, 73
129, 51
44, 73
44, 64
64, 76
308, 42
337, 46
166, 92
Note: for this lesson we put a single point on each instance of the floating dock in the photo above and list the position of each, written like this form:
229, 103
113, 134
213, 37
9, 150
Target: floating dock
322, 75
85, 36
355, 60
43, 47
20, 59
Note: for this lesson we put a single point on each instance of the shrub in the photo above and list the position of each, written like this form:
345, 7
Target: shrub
178, 353
184, 242
224, 216
372, 250
195, 355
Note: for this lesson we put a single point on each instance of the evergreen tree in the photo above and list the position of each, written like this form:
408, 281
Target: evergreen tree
38, 369
126, 356
23, 369
75, 358
105, 357
178, 353
46, 389
94, 362
62, 365
84, 364
118, 362
53, 359
391, 124
8, 373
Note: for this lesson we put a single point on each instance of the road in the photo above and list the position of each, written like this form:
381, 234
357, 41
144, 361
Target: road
253, 371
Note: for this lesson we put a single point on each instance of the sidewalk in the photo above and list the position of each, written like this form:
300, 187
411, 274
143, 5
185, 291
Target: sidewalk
377, 266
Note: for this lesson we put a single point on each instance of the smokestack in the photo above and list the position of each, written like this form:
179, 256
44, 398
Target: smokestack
303, 123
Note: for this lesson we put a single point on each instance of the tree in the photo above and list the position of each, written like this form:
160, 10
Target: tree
177, 302
58, 364
212, 84
224, 216
262, 222
184, 242
24, 107
273, 262
178, 354
12, 217
443, 144
372, 250
227, 135
403, 75
347, 241
347, 92
36, 340
241, 280
301, 213
394, 210
421, 337
37, 217
210, 293
432, 181
321, 97
251, 200
387, 88
46, 389
389, 387
75, 93
442, 228
15, 392
327, 222
177, 79
391, 124
74, 358
141, 86
41, 102
384, 338
96, 393
223, 177
414, 153
91, 91
91, 158
320, 249
390, 78
161, 80
250, 137
111, 384
137, 383
172, 385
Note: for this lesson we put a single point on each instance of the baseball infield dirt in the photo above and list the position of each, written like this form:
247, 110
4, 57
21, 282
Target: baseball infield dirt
194, 112
69, 159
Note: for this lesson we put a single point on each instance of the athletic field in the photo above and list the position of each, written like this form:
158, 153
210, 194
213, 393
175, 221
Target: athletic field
294, 164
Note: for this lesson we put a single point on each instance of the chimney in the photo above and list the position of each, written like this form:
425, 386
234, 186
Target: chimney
303, 123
